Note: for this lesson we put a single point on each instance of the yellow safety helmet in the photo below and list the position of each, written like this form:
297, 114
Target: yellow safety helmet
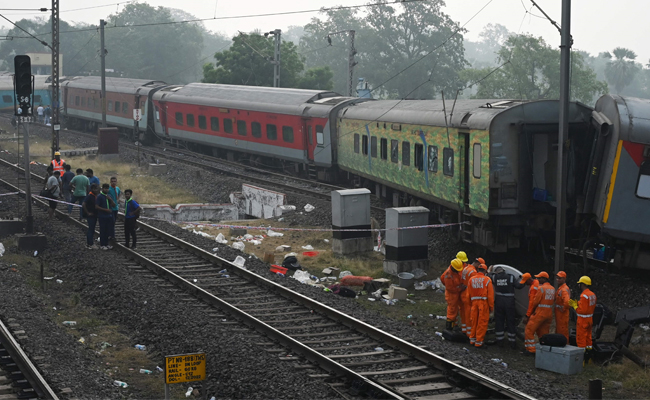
57, 153
457, 264
462, 256
586, 280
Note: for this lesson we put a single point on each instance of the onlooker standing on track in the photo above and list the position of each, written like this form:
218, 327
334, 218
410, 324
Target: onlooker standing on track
114, 192
92, 178
539, 320
47, 113
562, 297
65, 185
131, 213
53, 186
104, 216
40, 111
89, 211
481, 294
80, 186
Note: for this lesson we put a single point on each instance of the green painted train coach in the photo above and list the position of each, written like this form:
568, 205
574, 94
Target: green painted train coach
487, 163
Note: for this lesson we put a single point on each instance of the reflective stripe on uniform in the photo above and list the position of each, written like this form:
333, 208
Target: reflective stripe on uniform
505, 294
478, 344
559, 306
478, 298
585, 296
585, 315
545, 305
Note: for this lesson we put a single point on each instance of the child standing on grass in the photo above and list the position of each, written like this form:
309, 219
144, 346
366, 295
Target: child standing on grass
131, 214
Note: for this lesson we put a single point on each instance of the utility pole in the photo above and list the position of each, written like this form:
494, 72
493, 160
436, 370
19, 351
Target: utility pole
56, 101
277, 36
102, 56
563, 136
351, 62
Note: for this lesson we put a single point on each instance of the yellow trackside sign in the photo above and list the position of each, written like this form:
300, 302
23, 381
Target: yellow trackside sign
184, 368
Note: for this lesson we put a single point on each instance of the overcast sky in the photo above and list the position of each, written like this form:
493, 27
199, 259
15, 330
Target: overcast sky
597, 25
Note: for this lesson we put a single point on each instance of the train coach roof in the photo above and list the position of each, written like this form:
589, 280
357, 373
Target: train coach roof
475, 114
116, 85
255, 98
40, 82
630, 115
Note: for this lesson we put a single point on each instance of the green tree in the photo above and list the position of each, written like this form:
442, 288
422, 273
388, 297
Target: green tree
249, 62
530, 70
621, 71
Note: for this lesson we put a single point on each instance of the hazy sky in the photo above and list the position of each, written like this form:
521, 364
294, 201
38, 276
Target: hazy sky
597, 25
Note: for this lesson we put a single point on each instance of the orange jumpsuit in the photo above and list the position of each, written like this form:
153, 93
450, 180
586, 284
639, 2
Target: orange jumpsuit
540, 321
562, 297
532, 292
585, 311
481, 294
452, 281
466, 305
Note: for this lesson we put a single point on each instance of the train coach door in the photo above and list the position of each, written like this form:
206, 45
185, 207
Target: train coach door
307, 140
463, 171
163, 117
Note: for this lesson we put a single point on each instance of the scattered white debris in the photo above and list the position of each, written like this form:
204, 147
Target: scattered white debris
239, 261
326, 240
248, 236
2, 249
36, 253
271, 233
344, 273
309, 208
221, 239
239, 246
256, 242
59, 281
308, 247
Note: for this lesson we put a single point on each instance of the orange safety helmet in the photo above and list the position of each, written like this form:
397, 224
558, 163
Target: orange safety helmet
483, 267
524, 278
561, 274
481, 261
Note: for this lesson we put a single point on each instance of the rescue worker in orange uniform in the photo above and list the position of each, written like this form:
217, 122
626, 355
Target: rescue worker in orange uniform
453, 282
585, 311
562, 297
527, 279
481, 294
539, 321
466, 305
58, 163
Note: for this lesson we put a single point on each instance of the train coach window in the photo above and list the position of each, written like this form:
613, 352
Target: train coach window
90, 102
190, 119
287, 134
241, 128
117, 106
364, 145
320, 138
83, 101
418, 156
110, 105
373, 146
433, 159
256, 129
9, 99
394, 151
448, 161
406, 154
214, 124
356, 143
227, 125
477, 160
271, 132
203, 123
643, 186
125, 108
77, 100
37, 98
179, 118
383, 149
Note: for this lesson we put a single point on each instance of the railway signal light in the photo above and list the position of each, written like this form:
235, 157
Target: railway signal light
23, 85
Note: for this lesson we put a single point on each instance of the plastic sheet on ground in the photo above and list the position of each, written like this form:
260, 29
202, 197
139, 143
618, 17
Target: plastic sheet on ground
435, 285
308, 247
248, 236
271, 233
2, 249
418, 273
239, 246
344, 273
309, 208
256, 242
221, 239
239, 261
202, 233
303, 277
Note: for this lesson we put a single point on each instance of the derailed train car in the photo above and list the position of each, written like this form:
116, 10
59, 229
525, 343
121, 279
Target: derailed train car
492, 164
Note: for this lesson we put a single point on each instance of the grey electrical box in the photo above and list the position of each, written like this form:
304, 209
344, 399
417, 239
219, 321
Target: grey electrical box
405, 217
351, 208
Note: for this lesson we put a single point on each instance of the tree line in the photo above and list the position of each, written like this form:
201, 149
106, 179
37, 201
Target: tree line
408, 50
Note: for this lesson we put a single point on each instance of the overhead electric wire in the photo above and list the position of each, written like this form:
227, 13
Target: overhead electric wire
44, 43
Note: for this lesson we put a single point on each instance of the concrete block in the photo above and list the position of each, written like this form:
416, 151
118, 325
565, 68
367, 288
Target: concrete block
237, 232
346, 247
262, 203
395, 267
396, 292
191, 212
32, 242
11, 227
157, 169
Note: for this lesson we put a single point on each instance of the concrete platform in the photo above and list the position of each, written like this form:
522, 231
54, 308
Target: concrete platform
191, 212
158, 169
11, 227
36, 241
396, 267
347, 247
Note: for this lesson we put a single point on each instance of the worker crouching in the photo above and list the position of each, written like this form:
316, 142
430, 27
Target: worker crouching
540, 312
452, 280
481, 294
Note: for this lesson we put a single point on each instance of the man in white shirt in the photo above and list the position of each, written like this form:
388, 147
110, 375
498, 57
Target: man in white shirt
40, 110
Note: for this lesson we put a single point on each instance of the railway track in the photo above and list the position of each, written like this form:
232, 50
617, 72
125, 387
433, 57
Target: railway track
324, 341
19, 378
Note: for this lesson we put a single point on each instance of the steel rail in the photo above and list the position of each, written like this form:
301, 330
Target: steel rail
35, 379
494, 388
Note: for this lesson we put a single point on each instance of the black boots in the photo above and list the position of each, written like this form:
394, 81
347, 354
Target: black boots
449, 326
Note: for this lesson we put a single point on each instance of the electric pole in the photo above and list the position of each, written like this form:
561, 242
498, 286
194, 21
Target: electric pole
56, 106
351, 62
102, 56
563, 135
277, 42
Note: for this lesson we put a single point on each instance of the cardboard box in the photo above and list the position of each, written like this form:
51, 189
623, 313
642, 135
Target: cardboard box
396, 292
331, 270
269, 257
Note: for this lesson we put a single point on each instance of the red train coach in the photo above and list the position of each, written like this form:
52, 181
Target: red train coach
288, 127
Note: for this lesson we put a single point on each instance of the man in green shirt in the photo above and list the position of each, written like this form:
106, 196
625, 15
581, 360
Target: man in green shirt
79, 185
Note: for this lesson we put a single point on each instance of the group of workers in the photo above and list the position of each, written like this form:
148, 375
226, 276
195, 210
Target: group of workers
473, 291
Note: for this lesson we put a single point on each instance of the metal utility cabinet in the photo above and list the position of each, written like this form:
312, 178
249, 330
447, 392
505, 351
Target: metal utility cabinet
406, 249
351, 210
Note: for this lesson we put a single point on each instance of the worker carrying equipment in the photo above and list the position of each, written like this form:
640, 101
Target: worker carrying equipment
466, 305
504, 305
540, 312
481, 295
452, 280
562, 297
585, 311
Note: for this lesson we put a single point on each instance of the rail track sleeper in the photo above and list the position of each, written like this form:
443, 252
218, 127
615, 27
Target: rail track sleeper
306, 335
348, 339
248, 298
412, 380
395, 371
448, 396
424, 388
300, 327
282, 321
355, 346
380, 361
369, 354
282, 314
